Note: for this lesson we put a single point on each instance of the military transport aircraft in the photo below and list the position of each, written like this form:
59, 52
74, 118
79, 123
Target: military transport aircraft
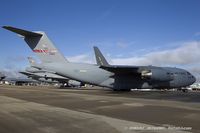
2, 76
47, 76
112, 76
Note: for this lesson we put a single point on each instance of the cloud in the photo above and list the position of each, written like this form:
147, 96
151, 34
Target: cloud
195, 70
12, 66
188, 53
197, 34
12, 73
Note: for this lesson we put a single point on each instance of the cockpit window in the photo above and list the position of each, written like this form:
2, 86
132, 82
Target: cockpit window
188, 73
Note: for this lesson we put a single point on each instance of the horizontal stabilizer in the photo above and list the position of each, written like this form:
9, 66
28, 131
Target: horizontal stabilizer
22, 32
26, 73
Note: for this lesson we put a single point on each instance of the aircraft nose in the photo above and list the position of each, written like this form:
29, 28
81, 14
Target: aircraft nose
193, 79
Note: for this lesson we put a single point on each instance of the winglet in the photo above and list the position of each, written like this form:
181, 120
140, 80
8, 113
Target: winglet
100, 59
22, 32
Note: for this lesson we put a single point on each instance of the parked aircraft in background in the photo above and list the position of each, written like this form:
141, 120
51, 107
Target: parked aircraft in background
19, 80
16, 80
47, 76
2, 76
112, 76
38, 77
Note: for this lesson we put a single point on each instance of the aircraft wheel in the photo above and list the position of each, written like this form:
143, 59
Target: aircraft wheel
184, 90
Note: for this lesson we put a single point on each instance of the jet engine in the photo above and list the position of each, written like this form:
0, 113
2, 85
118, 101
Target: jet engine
74, 83
156, 75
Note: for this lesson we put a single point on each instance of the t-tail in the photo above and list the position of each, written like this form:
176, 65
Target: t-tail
40, 44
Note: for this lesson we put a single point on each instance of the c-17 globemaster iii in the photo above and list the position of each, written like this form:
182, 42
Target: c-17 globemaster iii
112, 76
47, 76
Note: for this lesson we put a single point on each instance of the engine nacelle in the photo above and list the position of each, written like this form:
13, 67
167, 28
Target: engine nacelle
74, 83
156, 75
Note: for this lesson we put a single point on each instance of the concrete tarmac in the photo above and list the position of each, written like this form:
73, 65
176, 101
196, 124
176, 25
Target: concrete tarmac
96, 110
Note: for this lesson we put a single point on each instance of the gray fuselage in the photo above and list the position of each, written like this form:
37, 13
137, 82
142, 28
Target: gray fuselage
92, 74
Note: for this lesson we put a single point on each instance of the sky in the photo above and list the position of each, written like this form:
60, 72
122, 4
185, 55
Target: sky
132, 32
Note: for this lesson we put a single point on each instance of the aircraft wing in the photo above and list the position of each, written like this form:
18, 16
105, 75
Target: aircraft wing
117, 69
122, 69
